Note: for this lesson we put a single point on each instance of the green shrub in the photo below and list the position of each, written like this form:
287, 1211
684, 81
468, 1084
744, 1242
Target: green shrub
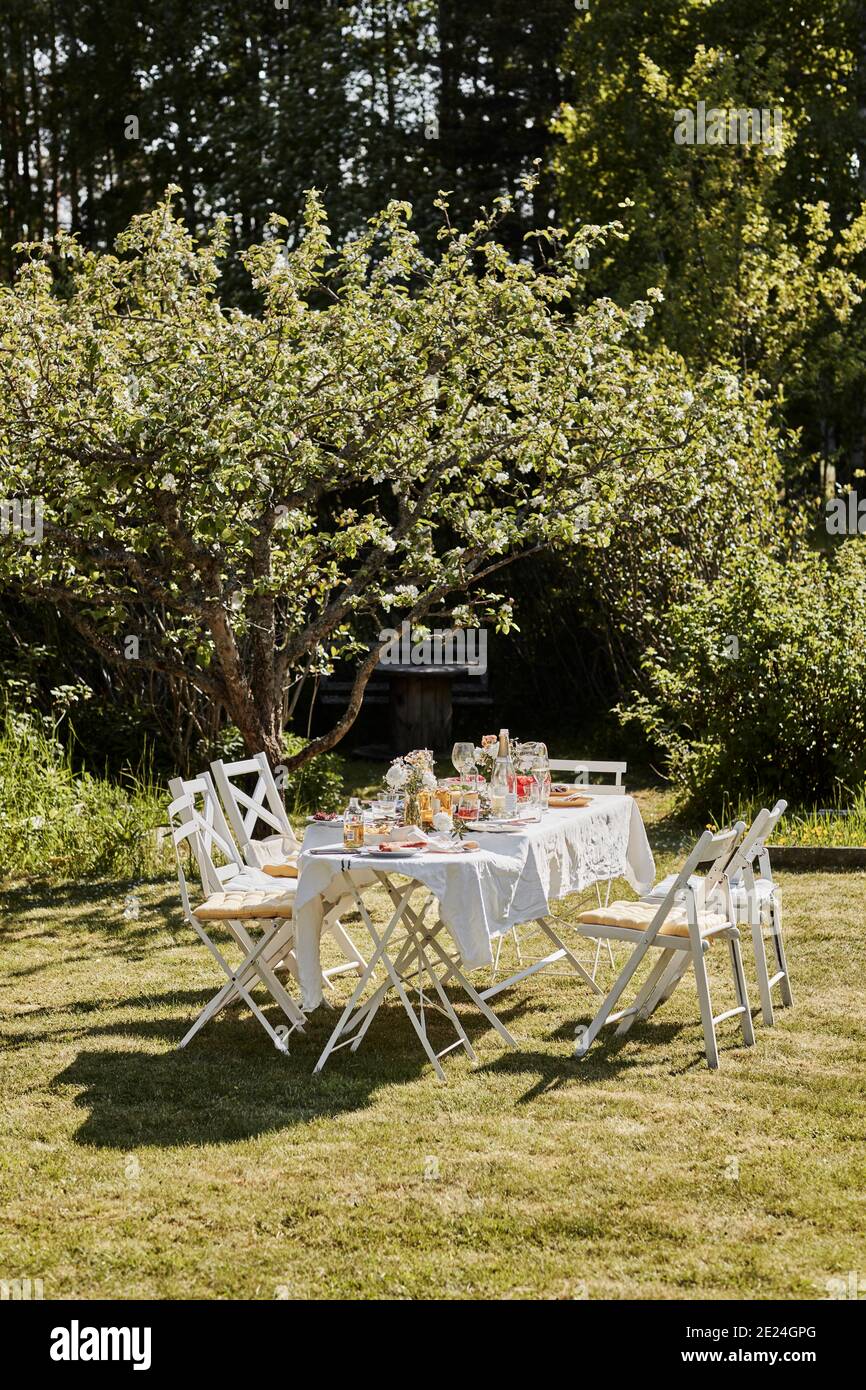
58, 823
757, 687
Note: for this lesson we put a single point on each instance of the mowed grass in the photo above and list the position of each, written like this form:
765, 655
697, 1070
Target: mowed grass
133, 1170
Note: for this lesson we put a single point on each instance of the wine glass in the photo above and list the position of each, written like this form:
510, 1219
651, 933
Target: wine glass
463, 758
541, 768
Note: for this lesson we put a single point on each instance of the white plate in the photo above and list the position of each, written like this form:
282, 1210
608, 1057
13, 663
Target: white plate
369, 853
496, 827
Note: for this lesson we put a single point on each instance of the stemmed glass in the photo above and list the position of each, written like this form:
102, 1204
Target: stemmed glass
541, 769
463, 758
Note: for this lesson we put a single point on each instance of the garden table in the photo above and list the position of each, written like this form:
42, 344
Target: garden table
511, 879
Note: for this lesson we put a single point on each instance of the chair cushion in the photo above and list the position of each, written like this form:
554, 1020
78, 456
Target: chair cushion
636, 917
286, 870
275, 849
663, 887
254, 880
765, 889
238, 906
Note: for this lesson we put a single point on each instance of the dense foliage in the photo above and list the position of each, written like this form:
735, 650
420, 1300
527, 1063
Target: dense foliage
757, 246
262, 439
105, 102
759, 683
247, 498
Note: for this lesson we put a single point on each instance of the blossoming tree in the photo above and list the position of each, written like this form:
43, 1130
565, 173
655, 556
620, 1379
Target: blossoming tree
258, 495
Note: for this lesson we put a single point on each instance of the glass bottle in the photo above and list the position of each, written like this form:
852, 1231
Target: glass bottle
503, 781
353, 825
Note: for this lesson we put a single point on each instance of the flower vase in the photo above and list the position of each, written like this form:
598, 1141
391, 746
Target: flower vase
412, 809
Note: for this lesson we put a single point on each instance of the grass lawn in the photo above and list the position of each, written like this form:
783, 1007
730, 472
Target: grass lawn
132, 1170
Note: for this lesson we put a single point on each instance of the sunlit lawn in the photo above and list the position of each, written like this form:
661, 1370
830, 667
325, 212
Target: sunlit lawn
130, 1169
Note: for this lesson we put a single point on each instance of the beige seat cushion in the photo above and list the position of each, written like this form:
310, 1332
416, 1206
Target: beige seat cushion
220, 907
286, 870
636, 917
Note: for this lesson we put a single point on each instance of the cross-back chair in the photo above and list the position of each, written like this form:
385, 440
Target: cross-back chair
239, 911
249, 810
681, 926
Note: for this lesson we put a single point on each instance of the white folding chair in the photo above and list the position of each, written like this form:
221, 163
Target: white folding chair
757, 901
246, 810
583, 770
203, 793
236, 909
681, 926
264, 804
234, 875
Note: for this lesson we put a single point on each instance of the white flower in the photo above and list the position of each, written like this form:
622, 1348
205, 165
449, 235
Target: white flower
36, 822
396, 776
429, 781
480, 753
688, 398
442, 821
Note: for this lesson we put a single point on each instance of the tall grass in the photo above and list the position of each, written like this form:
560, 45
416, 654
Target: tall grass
61, 823
842, 823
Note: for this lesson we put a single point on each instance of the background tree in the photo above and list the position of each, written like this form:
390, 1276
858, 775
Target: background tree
760, 254
246, 105
255, 496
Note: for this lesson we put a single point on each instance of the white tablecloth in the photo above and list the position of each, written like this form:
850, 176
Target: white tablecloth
513, 878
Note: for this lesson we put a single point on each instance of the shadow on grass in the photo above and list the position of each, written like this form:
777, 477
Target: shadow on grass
230, 1084
636, 1055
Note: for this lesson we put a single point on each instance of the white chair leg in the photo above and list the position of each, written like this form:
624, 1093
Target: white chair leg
496, 959
762, 973
779, 948
354, 960
516, 935
741, 990
674, 971
703, 988
587, 1038
596, 958
647, 991
598, 943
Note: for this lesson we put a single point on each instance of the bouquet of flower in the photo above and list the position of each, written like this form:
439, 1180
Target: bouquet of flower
485, 756
412, 773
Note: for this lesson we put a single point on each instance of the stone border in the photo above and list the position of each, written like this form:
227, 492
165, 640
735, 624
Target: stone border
818, 856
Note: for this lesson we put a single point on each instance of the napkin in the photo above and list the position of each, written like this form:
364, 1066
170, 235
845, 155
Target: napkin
566, 799
280, 870
404, 837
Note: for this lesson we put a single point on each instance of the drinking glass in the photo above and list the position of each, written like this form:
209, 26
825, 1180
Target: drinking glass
469, 805
541, 768
463, 758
